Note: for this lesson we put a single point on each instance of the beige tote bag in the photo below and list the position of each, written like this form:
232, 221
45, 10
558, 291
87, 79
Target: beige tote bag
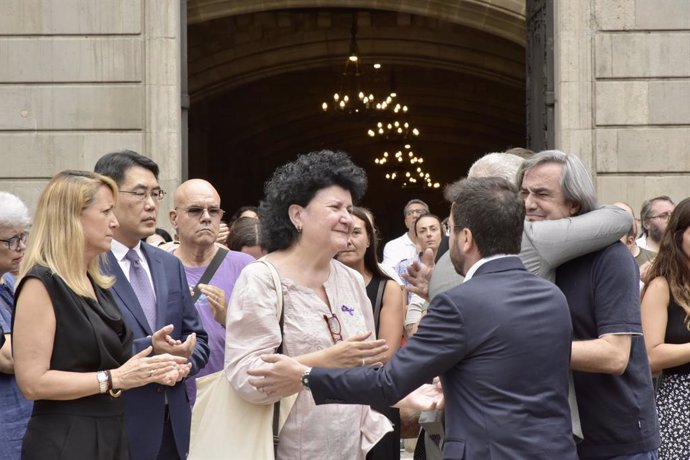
225, 426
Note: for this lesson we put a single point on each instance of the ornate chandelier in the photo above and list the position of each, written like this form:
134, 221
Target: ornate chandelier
353, 94
361, 94
399, 160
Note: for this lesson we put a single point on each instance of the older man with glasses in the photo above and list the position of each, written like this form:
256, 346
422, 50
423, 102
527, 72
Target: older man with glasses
405, 246
210, 268
152, 293
654, 218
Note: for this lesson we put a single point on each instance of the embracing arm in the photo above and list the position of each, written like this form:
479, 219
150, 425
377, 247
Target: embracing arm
561, 240
654, 321
608, 354
617, 314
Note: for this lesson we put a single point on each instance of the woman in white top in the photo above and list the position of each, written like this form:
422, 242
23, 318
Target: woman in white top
328, 321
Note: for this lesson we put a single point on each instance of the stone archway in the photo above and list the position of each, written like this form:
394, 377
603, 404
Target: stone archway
257, 76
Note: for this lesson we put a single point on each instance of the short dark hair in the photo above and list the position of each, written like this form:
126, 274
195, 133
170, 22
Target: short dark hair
236, 215
492, 209
415, 201
296, 183
244, 231
163, 234
116, 164
428, 214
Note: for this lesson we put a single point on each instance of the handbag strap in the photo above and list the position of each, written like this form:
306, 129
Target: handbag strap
280, 314
209, 272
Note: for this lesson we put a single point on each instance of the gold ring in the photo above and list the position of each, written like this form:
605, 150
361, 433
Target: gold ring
364, 363
150, 372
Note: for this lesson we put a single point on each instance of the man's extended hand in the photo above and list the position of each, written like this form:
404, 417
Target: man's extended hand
419, 273
281, 378
426, 397
162, 342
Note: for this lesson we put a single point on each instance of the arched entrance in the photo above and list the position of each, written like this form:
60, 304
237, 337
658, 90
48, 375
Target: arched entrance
257, 79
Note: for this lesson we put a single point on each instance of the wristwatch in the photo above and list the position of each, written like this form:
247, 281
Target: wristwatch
102, 377
305, 379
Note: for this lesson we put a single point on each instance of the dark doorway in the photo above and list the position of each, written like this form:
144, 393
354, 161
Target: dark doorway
257, 82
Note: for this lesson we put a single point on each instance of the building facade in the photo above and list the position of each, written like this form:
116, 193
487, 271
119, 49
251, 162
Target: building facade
81, 77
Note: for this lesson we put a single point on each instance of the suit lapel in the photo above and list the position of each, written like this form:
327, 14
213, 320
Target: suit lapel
160, 283
124, 292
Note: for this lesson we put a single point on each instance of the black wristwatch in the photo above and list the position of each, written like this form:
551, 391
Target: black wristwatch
305, 379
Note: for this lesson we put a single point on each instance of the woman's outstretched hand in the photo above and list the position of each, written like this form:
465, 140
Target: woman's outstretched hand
356, 351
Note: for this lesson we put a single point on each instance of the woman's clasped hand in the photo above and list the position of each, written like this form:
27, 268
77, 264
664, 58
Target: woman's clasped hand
142, 369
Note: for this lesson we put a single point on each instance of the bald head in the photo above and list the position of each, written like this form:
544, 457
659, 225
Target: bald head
197, 214
194, 188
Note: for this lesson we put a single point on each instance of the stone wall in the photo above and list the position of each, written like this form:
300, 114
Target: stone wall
623, 94
80, 78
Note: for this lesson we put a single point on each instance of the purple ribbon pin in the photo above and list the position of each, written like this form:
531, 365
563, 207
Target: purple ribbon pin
347, 309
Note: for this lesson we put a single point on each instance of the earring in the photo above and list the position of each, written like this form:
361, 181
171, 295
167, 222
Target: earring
298, 228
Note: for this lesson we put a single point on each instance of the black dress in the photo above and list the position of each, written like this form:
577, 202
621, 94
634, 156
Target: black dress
388, 447
89, 336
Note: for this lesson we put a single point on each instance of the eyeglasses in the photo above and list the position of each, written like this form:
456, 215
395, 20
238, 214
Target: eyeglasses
334, 328
197, 211
665, 216
417, 212
14, 243
141, 195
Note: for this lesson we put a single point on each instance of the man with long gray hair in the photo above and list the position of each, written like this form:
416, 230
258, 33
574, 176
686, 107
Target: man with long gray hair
610, 369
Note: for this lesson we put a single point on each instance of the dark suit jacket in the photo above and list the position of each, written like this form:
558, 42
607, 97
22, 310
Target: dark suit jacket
501, 344
145, 406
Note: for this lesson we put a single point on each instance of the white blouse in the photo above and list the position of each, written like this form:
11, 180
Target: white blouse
329, 431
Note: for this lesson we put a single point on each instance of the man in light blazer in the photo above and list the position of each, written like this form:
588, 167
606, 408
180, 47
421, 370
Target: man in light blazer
500, 343
152, 293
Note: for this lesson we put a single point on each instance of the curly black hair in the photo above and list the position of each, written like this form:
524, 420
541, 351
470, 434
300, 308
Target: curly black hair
296, 183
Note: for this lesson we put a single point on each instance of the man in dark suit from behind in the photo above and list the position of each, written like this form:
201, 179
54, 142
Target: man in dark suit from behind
152, 293
500, 343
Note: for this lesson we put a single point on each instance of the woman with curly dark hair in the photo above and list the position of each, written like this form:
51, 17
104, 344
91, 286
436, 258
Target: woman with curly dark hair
665, 314
305, 221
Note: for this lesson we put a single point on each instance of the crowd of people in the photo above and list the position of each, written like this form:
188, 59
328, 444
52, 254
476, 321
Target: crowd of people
556, 329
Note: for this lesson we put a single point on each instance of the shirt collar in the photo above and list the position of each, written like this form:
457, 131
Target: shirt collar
480, 262
119, 250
